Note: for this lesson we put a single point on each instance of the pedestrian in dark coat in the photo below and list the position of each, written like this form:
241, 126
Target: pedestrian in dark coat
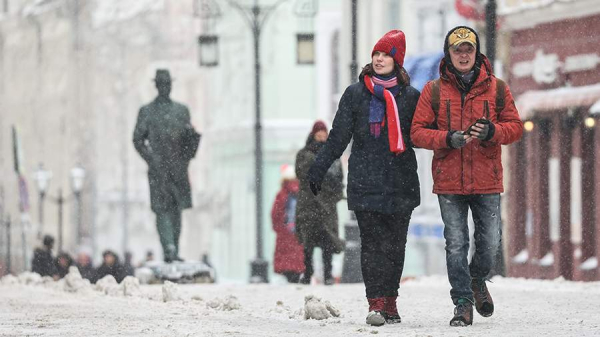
63, 262
383, 185
289, 253
128, 265
110, 266
84, 264
467, 164
166, 140
316, 216
43, 261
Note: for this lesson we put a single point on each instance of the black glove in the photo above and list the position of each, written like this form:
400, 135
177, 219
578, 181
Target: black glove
457, 140
315, 187
484, 134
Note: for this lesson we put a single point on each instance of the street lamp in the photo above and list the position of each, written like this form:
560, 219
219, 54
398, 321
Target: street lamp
42, 178
255, 16
77, 180
208, 50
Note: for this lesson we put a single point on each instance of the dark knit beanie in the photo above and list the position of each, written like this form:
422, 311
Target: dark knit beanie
392, 43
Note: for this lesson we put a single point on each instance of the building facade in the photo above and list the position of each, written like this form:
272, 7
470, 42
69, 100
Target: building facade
554, 75
74, 74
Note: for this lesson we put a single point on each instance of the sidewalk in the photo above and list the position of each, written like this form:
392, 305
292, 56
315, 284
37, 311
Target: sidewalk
523, 308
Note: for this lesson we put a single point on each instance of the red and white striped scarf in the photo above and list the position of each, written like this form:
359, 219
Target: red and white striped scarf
396, 141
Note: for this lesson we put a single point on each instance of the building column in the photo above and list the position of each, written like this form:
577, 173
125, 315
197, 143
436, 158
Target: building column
596, 208
588, 232
541, 249
517, 247
565, 245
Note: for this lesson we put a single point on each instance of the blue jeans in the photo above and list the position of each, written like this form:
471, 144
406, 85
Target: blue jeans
486, 217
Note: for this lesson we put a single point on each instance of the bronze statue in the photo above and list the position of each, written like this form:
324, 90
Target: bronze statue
167, 141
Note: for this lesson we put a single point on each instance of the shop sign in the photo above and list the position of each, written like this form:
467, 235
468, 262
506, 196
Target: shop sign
545, 68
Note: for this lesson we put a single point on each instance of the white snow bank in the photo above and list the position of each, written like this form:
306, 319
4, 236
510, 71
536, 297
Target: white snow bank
10, 280
74, 282
170, 292
314, 308
131, 286
29, 278
109, 286
229, 303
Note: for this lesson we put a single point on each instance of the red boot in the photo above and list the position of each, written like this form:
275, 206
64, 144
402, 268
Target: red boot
376, 311
391, 311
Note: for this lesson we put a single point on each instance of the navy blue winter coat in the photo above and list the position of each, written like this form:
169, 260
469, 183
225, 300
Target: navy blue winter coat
378, 180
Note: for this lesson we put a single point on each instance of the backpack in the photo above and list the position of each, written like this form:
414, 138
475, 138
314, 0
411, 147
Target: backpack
435, 100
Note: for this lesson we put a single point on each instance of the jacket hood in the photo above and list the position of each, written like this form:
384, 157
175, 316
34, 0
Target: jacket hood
478, 55
483, 70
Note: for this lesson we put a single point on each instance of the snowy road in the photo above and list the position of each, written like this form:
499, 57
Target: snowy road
523, 308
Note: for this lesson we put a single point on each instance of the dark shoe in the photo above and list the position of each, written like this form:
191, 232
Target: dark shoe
376, 311
463, 313
305, 280
329, 281
391, 311
483, 300
392, 319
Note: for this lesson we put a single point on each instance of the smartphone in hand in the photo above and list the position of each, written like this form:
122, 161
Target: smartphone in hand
480, 121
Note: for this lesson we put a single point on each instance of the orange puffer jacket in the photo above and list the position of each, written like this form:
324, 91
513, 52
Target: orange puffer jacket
477, 167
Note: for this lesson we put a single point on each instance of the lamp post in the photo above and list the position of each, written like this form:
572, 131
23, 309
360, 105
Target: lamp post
354, 64
255, 16
490, 51
77, 180
490, 29
351, 270
42, 178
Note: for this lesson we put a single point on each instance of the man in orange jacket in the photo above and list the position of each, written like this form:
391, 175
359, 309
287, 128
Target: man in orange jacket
465, 116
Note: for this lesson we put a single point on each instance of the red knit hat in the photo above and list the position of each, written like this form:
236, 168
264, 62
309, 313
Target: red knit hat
392, 43
318, 126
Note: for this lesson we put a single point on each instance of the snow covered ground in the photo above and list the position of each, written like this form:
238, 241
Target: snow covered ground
31, 306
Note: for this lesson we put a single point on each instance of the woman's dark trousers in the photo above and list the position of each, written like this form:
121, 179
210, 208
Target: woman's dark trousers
383, 245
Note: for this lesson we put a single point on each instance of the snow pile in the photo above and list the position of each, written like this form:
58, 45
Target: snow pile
74, 282
280, 308
109, 286
229, 303
314, 308
131, 286
29, 278
10, 280
286, 311
170, 292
